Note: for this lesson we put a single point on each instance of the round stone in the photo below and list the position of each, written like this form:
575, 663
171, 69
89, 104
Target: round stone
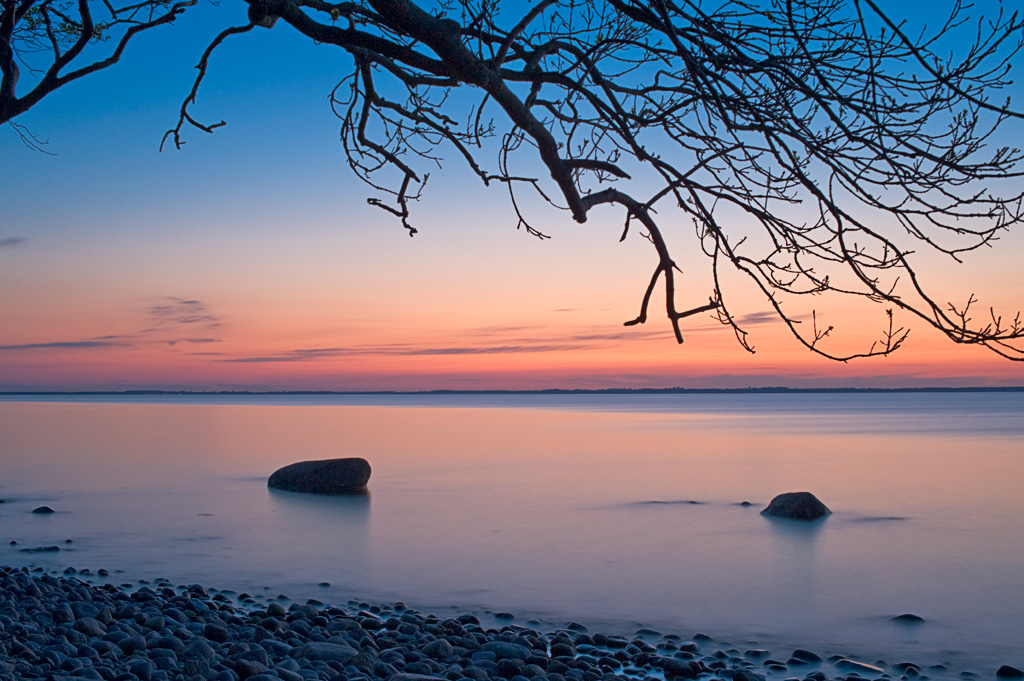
802, 506
328, 476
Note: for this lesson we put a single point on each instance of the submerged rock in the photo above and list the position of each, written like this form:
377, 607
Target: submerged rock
43, 509
848, 665
1008, 672
328, 476
796, 506
804, 656
907, 618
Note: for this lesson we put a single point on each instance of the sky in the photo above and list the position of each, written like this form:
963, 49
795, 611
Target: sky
250, 260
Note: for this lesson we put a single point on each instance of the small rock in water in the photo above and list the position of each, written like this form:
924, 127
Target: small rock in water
904, 666
854, 666
43, 509
14, 543
908, 618
805, 656
802, 506
1008, 672
328, 476
744, 675
40, 549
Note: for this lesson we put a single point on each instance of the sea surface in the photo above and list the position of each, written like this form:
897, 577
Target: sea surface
615, 511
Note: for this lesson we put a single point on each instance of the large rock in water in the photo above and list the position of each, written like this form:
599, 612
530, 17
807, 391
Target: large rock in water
329, 476
796, 506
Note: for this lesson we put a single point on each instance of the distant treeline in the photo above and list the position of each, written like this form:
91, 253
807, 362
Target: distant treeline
547, 391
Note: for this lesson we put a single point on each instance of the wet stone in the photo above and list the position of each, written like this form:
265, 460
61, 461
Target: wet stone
859, 667
746, 675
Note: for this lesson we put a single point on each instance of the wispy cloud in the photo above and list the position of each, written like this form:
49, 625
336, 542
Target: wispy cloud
174, 311
171, 321
12, 241
755, 318
497, 330
193, 341
623, 335
105, 342
316, 354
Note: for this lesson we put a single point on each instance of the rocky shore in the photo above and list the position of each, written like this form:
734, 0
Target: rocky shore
59, 628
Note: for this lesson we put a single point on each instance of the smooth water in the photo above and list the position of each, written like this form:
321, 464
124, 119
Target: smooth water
612, 510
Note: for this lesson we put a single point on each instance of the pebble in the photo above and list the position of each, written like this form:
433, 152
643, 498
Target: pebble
55, 626
859, 667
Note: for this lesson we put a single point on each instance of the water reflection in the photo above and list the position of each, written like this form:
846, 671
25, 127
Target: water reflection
349, 509
797, 532
796, 549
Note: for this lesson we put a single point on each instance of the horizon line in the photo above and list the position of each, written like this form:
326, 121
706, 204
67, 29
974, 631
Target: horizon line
525, 391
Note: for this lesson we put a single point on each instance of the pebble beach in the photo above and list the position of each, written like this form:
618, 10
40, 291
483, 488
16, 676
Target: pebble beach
59, 627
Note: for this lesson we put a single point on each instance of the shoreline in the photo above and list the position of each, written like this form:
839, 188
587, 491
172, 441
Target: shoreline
61, 627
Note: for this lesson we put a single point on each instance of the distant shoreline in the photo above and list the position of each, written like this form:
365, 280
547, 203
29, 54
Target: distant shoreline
548, 391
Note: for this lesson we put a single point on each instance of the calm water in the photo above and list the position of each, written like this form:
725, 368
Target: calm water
559, 508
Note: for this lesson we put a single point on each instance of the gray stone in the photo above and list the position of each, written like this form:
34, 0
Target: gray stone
216, 633
805, 656
504, 650
199, 649
249, 668
328, 476
908, 618
89, 627
438, 650
325, 652
62, 615
1008, 672
131, 644
43, 509
676, 668
142, 668
802, 506
257, 654
860, 667
745, 675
